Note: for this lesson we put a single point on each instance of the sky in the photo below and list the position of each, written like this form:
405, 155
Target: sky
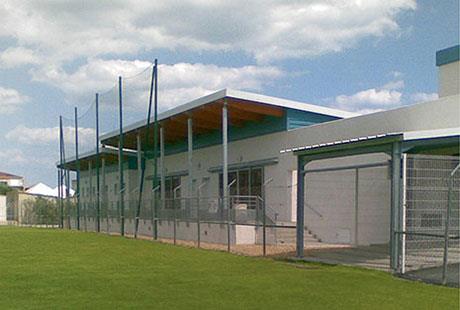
361, 56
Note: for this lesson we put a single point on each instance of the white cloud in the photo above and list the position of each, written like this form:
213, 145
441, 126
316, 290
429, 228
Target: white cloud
17, 56
394, 85
50, 135
373, 99
390, 95
178, 83
11, 156
11, 100
268, 30
421, 97
369, 98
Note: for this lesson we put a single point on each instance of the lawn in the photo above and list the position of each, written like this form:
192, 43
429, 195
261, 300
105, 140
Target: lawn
67, 269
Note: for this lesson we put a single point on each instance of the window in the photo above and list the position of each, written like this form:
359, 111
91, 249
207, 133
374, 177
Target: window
248, 182
170, 184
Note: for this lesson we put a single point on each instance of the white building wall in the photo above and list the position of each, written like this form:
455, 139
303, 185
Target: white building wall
280, 193
449, 79
2, 209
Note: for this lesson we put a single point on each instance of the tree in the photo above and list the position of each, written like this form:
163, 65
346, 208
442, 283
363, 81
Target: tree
4, 188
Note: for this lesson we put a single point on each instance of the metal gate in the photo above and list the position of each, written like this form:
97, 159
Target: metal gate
430, 248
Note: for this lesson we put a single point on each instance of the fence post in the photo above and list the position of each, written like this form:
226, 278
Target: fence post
446, 226
264, 214
174, 218
198, 228
154, 219
174, 211
264, 240
228, 203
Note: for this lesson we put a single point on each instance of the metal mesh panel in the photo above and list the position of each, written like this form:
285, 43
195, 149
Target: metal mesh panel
428, 188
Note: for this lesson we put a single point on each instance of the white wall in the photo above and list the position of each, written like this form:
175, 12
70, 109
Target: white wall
2, 208
449, 79
280, 195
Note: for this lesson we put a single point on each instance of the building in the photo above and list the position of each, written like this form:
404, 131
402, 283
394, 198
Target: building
41, 189
11, 180
260, 143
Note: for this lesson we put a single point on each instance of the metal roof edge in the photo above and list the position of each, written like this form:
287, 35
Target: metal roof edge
430, 134
237, 94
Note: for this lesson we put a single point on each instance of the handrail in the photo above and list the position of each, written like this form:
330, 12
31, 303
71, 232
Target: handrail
314, 210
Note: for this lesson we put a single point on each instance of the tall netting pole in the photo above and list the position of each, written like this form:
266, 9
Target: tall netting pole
58, 185
77, 159
155, 148
141, 186
98, 187
61, 146
67, 196
120, 157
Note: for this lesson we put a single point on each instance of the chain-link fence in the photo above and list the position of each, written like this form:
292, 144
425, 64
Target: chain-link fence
430, 244
347, 210
240, 226
33, 210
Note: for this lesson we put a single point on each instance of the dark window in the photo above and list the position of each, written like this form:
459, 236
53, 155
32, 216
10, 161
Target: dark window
170, 184
247, 182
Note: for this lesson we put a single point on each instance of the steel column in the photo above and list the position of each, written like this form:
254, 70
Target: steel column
225, 201
139, 172
91, 197
77, 159
59, 191
67, 192
98, 186
356, 205
120, 158
155, 148
190, 155
61, 146
395, 205
163, 168
300, 207
104, 194
447, 224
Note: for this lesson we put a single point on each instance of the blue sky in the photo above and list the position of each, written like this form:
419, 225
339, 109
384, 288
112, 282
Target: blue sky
360, 56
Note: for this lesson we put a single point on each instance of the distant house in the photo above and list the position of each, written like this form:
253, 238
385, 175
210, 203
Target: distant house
64, 192
41, 189
13, 181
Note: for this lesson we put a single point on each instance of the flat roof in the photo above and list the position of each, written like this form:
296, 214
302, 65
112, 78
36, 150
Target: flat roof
242, 106
109, 154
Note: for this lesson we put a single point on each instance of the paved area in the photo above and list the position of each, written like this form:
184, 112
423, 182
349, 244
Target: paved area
374, 256
434, 275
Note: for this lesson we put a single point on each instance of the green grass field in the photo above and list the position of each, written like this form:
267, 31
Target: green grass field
66, 269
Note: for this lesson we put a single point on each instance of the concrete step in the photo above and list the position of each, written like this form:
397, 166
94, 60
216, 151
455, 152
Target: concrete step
288, 236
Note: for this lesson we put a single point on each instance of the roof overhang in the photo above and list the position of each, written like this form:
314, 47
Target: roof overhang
441, 141
206, 113
110, 156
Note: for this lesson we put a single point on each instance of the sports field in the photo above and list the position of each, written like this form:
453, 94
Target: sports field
58, 269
